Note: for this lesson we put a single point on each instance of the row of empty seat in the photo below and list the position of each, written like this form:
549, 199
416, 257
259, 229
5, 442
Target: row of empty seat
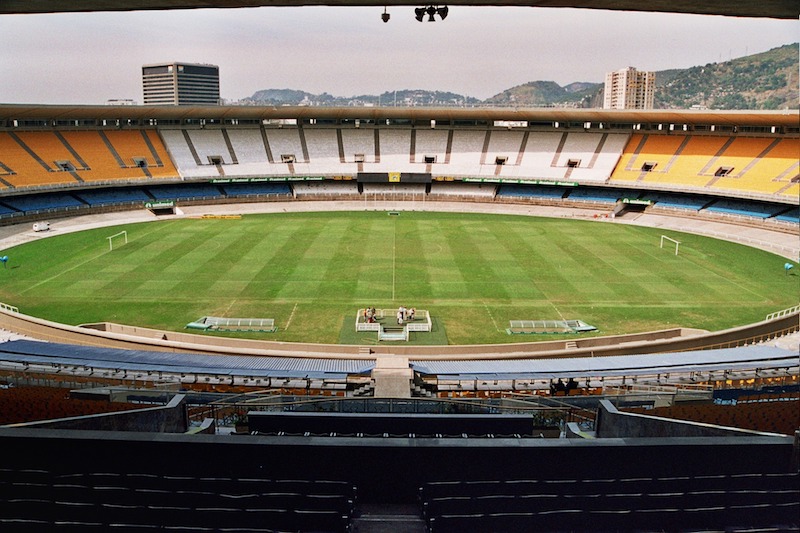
547, 155
751, 164
696, 203
52, 158
775, 416
11, 206
23, 404
36, 203
643, 504
98, 501
742, 165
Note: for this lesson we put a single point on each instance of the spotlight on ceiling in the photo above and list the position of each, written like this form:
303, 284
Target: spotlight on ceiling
386, 16
419, 13
442, 12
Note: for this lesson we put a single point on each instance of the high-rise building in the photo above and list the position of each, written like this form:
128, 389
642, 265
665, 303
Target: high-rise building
180, 84
629, 88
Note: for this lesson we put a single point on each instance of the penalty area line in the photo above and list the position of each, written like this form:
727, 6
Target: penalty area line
228, 309
291, 316
491, 317
557, 311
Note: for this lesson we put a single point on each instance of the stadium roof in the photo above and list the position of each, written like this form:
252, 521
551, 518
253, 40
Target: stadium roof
747, 357
23, 112
783, 9
48, 353
51, 353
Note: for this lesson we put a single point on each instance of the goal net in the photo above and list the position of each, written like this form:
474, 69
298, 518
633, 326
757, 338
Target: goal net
118, 238
670, 242
399, 199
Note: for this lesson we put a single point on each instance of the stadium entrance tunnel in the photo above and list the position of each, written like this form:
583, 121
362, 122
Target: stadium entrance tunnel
627, 207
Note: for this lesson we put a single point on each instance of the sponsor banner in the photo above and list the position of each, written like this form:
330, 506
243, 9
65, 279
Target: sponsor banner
634, 201
269, 178
481, 180
521, 181
394, 177
159, 204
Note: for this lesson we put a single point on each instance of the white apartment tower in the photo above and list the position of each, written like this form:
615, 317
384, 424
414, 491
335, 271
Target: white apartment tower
629, 89
180, 84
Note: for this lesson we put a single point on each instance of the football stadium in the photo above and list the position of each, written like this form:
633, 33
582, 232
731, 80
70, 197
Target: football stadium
258, 318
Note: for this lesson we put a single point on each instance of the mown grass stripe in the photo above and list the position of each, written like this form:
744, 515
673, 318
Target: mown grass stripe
412, 280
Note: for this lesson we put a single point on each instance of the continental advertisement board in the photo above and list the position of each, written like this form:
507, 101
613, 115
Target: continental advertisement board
394, 177
159, 204
268, 178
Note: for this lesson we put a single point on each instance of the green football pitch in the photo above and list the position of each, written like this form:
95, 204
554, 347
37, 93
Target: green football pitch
311, 272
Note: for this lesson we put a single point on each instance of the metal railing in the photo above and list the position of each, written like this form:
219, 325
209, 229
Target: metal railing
784, 312
9, 307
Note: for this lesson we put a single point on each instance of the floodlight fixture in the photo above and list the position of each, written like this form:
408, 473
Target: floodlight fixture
431, 11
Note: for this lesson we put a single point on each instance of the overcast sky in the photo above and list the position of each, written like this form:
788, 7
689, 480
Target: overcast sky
88, 58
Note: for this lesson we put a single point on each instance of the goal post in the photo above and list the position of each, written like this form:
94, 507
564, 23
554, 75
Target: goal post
677, 243
393, 200
122, 234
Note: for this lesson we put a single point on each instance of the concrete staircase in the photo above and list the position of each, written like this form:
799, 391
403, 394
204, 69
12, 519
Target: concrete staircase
392, 334
364, 390
419, 391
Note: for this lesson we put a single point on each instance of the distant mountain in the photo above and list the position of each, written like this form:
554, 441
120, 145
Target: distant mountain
280, 96
425, 98
580, 86
768, 80
548, 94
406, 97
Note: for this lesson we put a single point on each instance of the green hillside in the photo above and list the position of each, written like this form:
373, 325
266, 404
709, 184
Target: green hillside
761, 81
547, 93
768, 80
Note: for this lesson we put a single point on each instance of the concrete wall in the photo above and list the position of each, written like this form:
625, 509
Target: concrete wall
573, 431
208, 427
171, 418
612, 423
394, 424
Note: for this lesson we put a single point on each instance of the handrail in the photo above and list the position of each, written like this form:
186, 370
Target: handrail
673, 389
784, 312
9, 307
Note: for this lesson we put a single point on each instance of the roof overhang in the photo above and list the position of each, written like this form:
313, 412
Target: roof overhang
781, 9
141, 114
